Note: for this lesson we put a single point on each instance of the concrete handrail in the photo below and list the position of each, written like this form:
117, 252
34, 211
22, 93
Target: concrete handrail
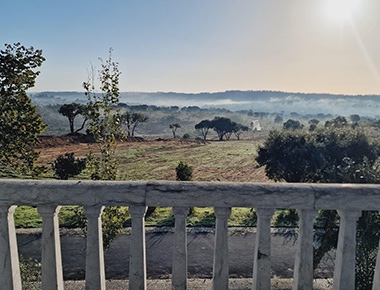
48, 195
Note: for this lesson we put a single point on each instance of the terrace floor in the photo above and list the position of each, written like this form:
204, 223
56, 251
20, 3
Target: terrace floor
200, 284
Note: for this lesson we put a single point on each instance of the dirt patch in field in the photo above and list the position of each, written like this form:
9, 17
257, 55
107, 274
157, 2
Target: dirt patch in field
157, 152
50, 147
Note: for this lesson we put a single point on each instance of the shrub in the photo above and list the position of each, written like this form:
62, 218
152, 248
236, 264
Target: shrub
184, 172
67, 165
30, 271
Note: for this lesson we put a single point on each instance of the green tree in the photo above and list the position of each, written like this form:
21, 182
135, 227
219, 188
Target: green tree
104, 117
239, 129
20, 123
336, 153
355, 118
203, 127
278, 119
132, 120
323, 155
292, 125
313, 124
174, 128
71, 111
223, 127
338, 122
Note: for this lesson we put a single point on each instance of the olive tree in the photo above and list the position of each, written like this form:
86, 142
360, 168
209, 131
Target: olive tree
20, 123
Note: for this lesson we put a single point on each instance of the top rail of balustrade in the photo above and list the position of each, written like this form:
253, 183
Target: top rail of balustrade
188, 194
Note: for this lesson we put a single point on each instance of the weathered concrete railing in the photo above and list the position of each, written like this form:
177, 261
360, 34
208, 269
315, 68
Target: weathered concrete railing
48, 196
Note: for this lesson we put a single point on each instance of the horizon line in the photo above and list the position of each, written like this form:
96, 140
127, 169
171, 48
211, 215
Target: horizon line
215, 92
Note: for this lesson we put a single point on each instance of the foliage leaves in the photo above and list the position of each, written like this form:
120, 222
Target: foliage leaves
20, 122
105, 127
71, 111
67, 165
223, 126
174, 128
324, 155
337, 153
104, 117
132, 120
184, 172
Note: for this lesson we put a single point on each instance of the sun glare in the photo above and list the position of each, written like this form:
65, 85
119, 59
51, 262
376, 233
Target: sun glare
341, 10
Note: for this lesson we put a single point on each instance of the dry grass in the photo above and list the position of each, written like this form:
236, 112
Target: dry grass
156, 160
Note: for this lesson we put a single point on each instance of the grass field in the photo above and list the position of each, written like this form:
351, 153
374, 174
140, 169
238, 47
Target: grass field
156, 160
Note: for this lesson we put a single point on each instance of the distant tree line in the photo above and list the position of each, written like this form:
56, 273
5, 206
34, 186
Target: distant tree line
128, 120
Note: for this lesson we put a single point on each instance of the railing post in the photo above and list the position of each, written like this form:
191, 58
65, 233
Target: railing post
221, 267
344, 272
262, 255
9, 262
179, 267
376, 276
303, 267
52, 277
137, 261
95, 274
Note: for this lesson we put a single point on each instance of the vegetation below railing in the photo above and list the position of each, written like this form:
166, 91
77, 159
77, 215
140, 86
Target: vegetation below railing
28, 217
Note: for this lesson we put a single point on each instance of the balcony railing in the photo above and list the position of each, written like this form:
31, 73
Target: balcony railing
349, 199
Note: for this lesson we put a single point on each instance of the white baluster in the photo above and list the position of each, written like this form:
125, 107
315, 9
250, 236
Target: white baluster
303, 268
137, 262
344, 272
52, 277
221, 266
95, 274
376, 278
262, 256
179, 267
9, 262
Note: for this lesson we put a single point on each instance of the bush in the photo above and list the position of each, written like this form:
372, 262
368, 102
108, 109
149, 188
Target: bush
30, 271
67, 165
184, 172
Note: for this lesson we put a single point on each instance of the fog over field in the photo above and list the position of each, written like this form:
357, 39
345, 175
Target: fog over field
259, 101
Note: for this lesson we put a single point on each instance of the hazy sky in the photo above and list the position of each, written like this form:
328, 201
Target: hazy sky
328, 46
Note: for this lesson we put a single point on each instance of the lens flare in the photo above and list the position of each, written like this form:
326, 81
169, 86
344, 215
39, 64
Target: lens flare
341, 9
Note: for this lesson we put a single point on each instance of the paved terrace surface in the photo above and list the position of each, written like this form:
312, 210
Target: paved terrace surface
159, 242
200, 284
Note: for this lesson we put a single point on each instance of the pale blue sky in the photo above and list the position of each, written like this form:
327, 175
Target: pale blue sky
203, 45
